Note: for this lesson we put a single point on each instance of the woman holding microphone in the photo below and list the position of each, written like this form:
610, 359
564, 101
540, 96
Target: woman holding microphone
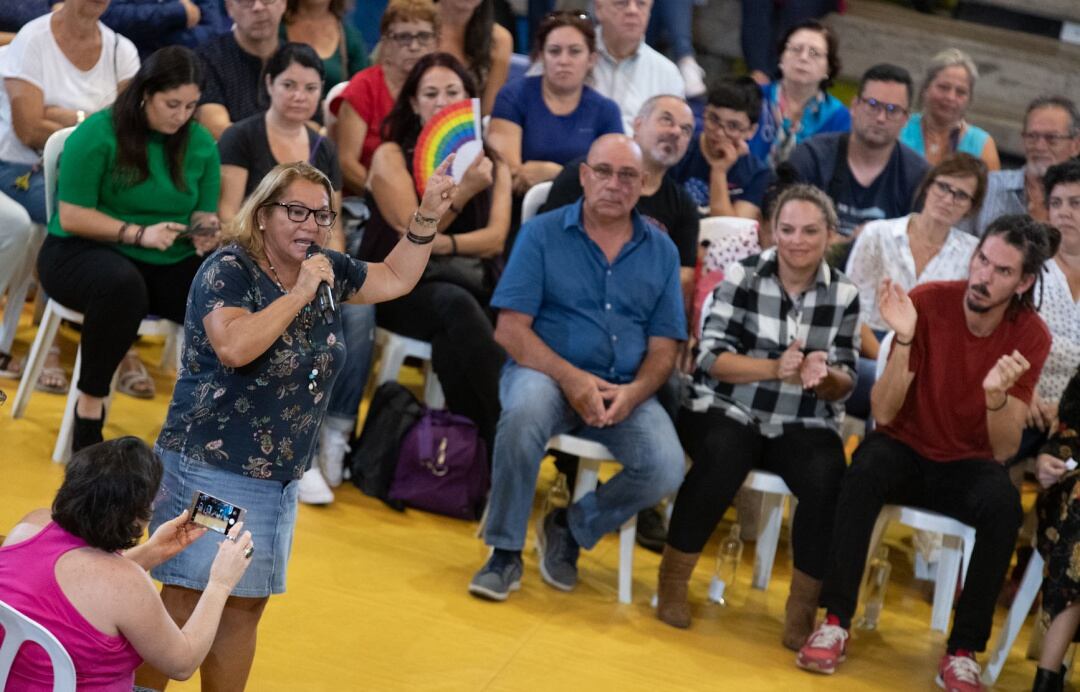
258, 363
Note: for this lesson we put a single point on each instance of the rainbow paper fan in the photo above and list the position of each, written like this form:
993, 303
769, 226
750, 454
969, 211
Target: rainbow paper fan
456, 128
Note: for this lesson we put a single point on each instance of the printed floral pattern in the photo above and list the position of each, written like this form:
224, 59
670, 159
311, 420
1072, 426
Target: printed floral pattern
260, 419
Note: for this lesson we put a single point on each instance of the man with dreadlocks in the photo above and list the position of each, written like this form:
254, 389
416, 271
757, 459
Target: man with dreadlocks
950, 407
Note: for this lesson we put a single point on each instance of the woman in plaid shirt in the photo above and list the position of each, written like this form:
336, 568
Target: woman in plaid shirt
777, 359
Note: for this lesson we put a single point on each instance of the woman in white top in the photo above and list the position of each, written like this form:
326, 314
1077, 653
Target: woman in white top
60, 68
922, 246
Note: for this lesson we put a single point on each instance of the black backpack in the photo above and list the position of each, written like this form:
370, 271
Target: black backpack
374, 455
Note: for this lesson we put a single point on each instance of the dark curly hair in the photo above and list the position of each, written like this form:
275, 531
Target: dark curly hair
108, 489
1036, 241
402, 124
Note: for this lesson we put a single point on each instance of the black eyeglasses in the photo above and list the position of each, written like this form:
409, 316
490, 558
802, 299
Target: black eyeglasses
1051, 138
424, 38
957, 194
299, 213
603, 172
732, 127
892, 111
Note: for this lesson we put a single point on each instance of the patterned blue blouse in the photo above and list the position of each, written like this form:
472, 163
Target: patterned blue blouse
261, 419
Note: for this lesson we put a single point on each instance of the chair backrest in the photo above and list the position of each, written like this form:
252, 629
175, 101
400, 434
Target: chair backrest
54, 146
519, 65
714, 227
17, 629
328, 118
534, 199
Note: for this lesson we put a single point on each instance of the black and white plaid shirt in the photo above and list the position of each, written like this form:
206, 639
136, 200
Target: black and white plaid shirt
752, 315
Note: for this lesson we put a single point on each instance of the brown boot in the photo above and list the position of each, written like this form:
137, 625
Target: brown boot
801, 609
675, 570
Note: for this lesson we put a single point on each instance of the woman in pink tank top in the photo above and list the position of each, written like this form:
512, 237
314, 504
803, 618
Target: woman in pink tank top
78, 572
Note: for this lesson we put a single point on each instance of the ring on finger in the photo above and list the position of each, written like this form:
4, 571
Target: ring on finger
248, 551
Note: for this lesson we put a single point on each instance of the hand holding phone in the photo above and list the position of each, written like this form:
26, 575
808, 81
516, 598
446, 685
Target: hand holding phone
215, 514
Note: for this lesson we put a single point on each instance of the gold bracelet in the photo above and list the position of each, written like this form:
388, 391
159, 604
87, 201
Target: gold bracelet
424, 220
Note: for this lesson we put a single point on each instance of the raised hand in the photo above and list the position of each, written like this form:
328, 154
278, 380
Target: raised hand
1005, 372
439, 192
787, 366
814, 369
480, 175
897, 309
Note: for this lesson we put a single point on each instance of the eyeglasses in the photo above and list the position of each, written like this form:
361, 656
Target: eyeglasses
892, 111
568, 14
1052, 139
957, 194
603, 173
299, 213
423, 38
811, 52
731, 127
248, 4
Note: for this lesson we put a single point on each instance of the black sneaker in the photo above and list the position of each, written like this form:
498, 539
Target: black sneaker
500, 575
651, 532
558, 551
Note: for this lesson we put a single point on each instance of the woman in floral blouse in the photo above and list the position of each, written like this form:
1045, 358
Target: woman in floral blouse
1059, 537
258, 363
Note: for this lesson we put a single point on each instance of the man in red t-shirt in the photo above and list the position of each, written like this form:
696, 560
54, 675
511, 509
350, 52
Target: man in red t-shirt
950, 406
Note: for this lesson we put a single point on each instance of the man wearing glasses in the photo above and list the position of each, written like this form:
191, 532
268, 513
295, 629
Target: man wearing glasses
868, 173
1051, 136
234, 63
591, 317
718, 171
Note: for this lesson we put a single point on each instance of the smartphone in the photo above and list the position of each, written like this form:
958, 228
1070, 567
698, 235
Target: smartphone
215, 514
199, 229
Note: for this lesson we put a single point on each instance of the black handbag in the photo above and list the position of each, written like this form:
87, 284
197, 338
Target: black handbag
471, 273
374, 455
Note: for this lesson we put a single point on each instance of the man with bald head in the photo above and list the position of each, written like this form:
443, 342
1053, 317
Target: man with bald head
591, 315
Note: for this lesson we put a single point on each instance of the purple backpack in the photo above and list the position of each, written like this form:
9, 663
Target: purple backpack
442, 466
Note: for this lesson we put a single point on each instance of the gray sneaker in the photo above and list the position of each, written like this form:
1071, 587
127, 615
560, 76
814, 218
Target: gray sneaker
500, 575
558, 553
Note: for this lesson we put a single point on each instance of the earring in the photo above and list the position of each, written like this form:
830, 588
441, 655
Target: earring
142, 104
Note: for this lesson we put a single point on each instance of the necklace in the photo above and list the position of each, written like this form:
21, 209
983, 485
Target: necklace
277, 279
305, 322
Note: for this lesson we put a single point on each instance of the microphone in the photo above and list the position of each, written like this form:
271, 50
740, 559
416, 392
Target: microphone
324, 297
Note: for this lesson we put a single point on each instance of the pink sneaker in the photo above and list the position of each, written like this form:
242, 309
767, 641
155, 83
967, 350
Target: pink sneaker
959, 673
824, 650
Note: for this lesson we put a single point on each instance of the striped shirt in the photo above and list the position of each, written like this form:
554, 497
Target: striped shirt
752, 315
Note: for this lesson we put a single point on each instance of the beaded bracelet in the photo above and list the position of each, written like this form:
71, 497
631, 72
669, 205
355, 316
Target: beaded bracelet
139, 235
425, 220
120, 235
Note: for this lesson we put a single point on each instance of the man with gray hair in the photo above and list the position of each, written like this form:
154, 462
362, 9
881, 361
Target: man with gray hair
1051, 135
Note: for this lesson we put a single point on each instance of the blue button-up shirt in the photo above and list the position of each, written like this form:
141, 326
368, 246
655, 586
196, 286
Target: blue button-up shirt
595, 314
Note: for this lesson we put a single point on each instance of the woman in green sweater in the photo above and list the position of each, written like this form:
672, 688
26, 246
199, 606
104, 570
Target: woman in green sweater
137, 189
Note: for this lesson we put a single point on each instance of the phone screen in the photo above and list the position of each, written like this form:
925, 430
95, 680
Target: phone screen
215, 514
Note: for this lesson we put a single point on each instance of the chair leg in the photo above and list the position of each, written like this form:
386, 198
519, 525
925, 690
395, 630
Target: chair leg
62, 449
626, 559
433, 392
1018, 612
948, 571
393, 357
772, 519
587, 476
44, 338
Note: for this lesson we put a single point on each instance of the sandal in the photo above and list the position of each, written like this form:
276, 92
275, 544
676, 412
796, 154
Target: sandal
53, 379
10, 367
134, 380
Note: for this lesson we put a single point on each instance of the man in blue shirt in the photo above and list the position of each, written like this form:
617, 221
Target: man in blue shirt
591, 317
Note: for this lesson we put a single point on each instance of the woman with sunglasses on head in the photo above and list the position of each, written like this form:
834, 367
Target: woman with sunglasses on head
449, 308
469, 33
940, 128
261, 353
138, 191
540, 123
409, 30
797, 106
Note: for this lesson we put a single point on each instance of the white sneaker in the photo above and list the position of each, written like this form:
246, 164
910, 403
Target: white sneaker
333, 445
693, 76
313, 489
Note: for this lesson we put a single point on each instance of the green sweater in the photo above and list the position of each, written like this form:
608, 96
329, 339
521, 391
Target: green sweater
86, 180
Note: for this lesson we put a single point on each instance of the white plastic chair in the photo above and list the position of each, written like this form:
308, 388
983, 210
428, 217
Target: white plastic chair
958, 539
713, 228
1018, 612
534, 199
18, 629
329, 119
592, 455
395, 349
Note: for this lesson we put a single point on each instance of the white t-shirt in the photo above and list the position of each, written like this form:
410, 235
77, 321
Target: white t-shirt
1062, 316
634, 80
35, 57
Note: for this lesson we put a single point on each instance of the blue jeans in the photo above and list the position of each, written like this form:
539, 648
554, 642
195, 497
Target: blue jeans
533, 410
32, 199
673, 20
358, 325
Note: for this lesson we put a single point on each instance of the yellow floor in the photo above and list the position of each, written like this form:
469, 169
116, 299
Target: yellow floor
377, 600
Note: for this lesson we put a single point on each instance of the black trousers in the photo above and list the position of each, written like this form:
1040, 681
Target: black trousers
724, 451
114, 293
975, 491
463, 349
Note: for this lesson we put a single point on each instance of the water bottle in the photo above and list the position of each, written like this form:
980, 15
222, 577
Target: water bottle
727, 564
558, 495
876, 582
